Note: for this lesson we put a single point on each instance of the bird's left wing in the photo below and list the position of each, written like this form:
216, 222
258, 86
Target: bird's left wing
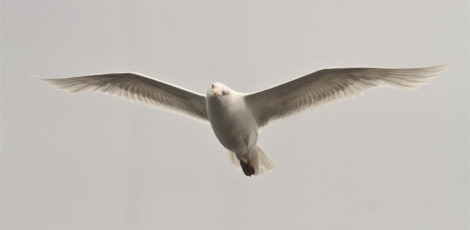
139, 88
328, 85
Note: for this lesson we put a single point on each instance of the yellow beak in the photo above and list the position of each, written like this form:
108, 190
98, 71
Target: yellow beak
216, 92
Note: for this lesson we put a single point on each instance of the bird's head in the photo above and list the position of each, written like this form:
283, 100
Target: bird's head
218, 90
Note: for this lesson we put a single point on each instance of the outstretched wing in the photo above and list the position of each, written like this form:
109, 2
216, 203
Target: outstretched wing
328, 85
138, 88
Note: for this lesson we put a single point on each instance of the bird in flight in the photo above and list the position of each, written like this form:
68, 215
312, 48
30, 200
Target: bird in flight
237, 117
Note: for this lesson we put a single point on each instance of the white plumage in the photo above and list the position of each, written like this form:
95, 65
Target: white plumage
236, 117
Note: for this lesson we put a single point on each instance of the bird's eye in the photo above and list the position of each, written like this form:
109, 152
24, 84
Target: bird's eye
224, 92
212, 86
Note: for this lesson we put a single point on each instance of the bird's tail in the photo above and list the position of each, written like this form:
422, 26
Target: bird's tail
258, 163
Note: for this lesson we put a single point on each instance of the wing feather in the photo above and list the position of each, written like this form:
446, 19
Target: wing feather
328, 85
137, 88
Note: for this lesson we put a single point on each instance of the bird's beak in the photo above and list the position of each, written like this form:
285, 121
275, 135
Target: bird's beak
216, 93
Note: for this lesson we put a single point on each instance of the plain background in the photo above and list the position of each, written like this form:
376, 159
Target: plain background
389, 159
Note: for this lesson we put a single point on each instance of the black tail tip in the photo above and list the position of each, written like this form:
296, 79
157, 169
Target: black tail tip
248, 169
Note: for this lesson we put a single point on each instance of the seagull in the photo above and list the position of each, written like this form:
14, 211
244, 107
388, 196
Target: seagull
235, 117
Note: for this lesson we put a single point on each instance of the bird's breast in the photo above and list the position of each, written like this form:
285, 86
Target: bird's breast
234, 126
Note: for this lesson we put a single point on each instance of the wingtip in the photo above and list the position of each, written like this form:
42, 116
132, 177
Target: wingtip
443, 67
35, 76
44, 79
428, 74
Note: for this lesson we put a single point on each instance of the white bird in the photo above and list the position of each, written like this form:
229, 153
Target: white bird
237, 117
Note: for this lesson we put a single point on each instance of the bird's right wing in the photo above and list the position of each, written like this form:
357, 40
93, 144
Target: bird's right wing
139, 88
328, 85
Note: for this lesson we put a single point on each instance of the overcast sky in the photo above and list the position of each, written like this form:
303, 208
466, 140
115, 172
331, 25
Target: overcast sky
389, 159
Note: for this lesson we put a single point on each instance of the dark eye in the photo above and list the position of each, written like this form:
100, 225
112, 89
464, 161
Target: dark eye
212, 86
224, 92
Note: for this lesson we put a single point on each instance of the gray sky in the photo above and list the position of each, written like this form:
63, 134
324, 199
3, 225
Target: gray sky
387, 160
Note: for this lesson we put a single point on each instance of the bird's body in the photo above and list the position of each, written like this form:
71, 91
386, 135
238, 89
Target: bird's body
230, 114
237, 117
234, 125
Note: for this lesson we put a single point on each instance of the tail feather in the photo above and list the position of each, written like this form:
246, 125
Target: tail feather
258, 160
234, 160
264, 164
